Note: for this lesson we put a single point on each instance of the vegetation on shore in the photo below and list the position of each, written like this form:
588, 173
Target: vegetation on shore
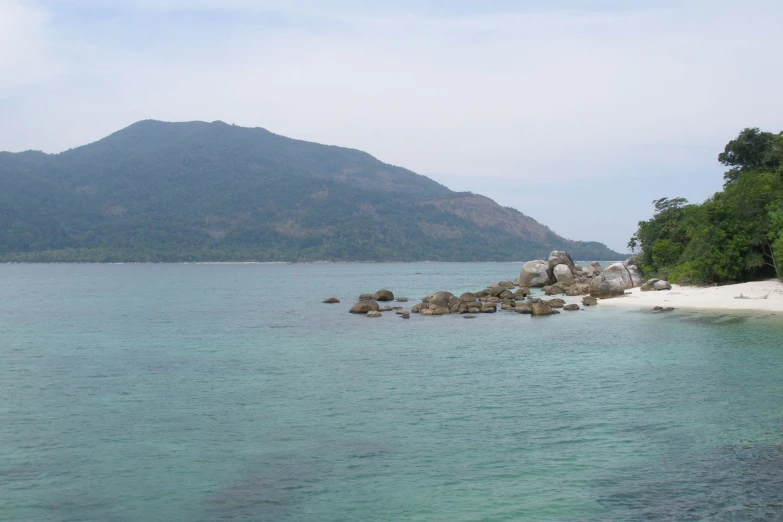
173, 192
736, 235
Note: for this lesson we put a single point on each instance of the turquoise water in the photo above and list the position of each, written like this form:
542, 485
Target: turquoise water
229, 392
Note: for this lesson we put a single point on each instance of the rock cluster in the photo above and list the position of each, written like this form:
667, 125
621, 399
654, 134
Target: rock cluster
558, 275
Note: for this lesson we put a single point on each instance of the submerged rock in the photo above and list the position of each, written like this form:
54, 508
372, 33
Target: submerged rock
331, 300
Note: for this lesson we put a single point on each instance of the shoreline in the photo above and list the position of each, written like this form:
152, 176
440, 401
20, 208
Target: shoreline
706, 298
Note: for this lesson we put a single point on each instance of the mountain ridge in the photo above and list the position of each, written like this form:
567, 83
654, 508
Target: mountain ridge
198, 191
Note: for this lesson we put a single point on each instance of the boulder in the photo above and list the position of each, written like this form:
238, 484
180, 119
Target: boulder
373, 314
521, 292
507, 284
506, 295
488, 309
563, 274
556, 303
385, 309
571, 308
331, 300
402, 312
578, 289
508, 305
637, 278
366, 297
646, 287
467, 297
593, 269
362, 307
405, 316
558, 257
612, 282
539, 307
383, 295
555, 289
458, 306
523, 308
427, 312
535, 274
439, 296
589, 300
418, 308
402, 299
662, 285
439, 310
516, 282
495, 290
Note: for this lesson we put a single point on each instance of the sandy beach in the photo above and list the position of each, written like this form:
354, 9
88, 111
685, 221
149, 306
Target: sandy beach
709, 298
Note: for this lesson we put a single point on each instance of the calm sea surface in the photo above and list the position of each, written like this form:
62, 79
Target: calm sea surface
229, 392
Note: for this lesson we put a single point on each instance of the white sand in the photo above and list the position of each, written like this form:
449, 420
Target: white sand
709, 298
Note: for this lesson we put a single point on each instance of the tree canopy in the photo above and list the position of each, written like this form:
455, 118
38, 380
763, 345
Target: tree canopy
736, 235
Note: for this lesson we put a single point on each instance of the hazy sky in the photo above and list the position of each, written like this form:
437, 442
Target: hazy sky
579, 114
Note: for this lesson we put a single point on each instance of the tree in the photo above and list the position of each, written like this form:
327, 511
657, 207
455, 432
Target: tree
752, 150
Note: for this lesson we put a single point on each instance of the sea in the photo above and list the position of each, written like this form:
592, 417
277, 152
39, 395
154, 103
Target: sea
198, 392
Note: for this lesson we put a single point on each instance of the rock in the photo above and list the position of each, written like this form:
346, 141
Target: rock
556, 303
362, 307
539, 307
637, 278
474, 309
373, 314
490, 299
417, 308
662, 309
469, 316
589, 300
571, 308
441, 296
488, 309
402, 299
516, 282
555, 289
521, 292
646, 287
535, 274
331, 300
383, 295
495, 290
366, 297
612, 282
558, 257
402, 312
577, 289
592, 269
563, 274
468, 297
405, 316
458, 306
506, 295
385, 309
507, 284
427, 312
508, 305
662, 285
523, 308
439, 310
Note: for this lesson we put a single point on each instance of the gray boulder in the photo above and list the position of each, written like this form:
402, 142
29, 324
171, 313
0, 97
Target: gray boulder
556, 303
612, 282
558, 257
467, 297
539, 307
571, 308
646, 287
637, 278
535, 274
521, 292
593, 269
507, 284
563, 274
662, 285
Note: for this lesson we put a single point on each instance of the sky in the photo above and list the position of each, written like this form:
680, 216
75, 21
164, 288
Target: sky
577, 113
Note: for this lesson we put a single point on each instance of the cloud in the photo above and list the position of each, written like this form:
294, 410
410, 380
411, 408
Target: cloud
524, 96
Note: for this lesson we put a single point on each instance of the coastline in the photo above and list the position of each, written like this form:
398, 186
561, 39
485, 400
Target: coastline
706, 298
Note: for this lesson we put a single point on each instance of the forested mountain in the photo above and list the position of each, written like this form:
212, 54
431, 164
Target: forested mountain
199, 191
736, 235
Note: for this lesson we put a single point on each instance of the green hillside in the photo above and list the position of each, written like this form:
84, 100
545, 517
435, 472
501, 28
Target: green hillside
199, 191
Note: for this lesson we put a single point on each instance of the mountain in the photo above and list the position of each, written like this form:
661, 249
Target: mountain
199, 191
